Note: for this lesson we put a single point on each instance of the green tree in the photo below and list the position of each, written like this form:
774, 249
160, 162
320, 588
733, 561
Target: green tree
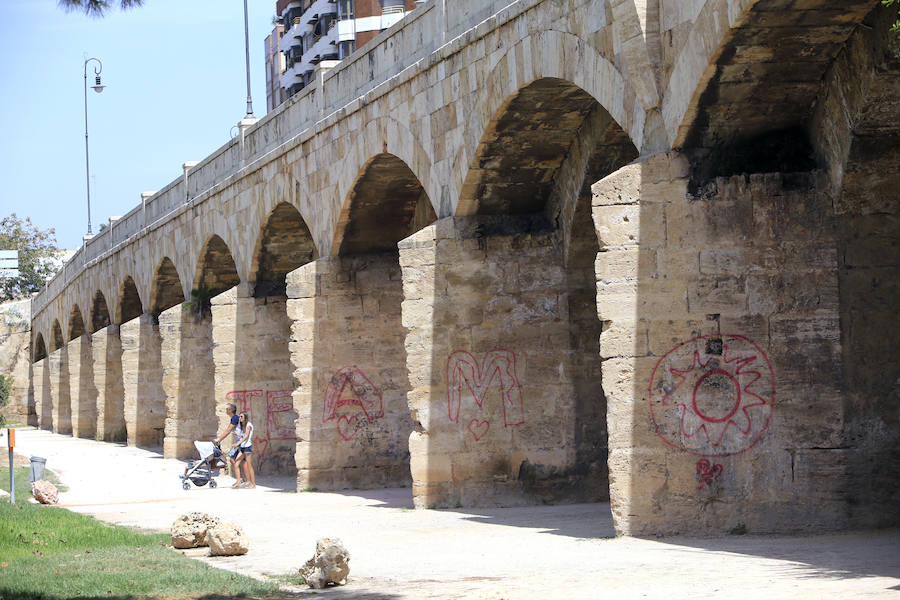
96, 8
37, 256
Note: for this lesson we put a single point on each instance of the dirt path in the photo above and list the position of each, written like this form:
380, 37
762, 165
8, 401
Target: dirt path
555, 552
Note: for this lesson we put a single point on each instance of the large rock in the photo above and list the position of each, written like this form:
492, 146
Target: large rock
226, 539
44, 492
330, 565
189, 531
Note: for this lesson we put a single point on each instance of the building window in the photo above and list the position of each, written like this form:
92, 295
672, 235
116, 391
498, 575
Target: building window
346, 48
389, 7
345, 9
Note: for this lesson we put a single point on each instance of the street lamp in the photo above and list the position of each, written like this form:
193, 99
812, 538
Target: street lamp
247, 55
97, 87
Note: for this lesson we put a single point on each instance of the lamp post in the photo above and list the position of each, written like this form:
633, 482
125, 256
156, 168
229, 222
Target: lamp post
97, 87
247, 55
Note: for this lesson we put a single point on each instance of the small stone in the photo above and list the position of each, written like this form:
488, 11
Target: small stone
189, 531
227, 539
44, 492
329, 565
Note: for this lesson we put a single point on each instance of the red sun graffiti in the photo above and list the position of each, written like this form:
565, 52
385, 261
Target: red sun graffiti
349, 388
464, 371
712, 395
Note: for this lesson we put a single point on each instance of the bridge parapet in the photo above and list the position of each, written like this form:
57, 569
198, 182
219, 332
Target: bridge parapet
394, 50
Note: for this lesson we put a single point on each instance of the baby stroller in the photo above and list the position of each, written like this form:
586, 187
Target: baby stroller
202, 472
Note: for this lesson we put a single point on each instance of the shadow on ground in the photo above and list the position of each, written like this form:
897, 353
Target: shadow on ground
382, 498
572, 520
840, 556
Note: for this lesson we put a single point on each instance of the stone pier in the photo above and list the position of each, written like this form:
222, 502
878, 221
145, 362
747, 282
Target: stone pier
58, 363
493, 399
253, 371
188, 378
43, 404
145, 398
82, 392
106, 348
722, 353
350, 364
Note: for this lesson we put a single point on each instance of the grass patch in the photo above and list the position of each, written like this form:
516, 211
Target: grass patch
50, 553
294, 579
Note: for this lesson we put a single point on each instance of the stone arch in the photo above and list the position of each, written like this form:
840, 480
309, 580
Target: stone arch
521, 263
756, 88
284, 244
511, 174
99, 312
386, 204
76, 324
582, 66
40, 348
129, 305
360, 289
216, 269
166, 290
57, 340
383, 135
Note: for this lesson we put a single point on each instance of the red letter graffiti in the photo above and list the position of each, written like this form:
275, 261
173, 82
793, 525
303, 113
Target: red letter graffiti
279, 416
463, 369
365, 396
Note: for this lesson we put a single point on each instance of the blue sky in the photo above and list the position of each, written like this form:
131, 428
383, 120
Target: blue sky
177, 86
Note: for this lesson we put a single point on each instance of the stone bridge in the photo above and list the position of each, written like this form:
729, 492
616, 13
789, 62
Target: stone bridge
524, 251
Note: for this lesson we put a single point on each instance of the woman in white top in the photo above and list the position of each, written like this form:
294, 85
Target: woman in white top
245, 452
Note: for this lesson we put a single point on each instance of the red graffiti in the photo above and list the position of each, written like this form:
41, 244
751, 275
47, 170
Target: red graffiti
478, 429
279, 416
463, 369
350, 388
707, 473
712, 395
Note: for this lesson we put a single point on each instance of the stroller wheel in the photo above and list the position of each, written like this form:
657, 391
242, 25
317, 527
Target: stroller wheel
186, 485
212, 483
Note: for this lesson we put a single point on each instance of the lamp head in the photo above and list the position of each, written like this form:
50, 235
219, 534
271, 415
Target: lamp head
97, 87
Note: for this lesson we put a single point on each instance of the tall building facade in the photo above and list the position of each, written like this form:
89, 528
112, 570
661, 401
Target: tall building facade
274, 67
312, 31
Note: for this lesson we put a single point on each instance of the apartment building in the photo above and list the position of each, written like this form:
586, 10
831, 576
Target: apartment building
313, 31
275, 65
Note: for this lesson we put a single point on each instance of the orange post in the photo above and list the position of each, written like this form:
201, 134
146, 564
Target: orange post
11, 434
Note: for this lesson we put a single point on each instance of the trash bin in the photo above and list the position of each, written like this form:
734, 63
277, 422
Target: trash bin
37, 468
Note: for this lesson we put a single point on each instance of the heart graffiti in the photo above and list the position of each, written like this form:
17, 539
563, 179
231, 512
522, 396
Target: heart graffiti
478, 429
348, 426
707, 473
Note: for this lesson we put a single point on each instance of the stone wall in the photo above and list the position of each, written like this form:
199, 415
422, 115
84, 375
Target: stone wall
490, 359
253, 371
15, 360
722, 351
145, 398
350, 365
